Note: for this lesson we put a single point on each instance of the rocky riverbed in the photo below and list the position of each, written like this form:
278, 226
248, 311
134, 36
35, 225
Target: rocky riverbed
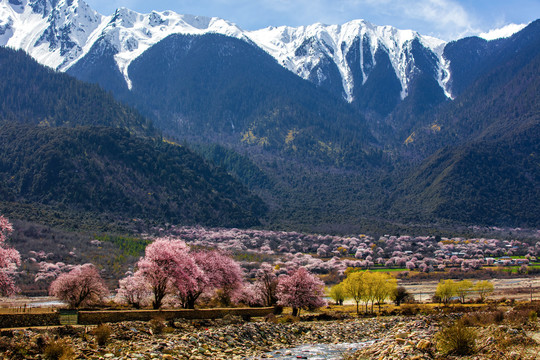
396, 337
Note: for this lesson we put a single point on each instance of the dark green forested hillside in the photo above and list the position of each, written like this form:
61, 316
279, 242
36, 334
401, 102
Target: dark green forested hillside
214, 88
68, 149
32, 93
486, 182
313, 158
104, 170
487, 170
501, 100
241, 166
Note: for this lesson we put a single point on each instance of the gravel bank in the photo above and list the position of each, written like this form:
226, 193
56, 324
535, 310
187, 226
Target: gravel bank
396, 337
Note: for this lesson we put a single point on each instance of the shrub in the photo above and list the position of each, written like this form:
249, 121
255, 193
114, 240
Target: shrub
482, 318
168, 330
498, 316
533, 316
157, 325
270, 318
402, 295
456, 339
102, 334
57, 350
287, 319
409, 309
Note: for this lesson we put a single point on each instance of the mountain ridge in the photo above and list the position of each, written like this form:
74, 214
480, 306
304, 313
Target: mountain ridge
70, 28
339, 58
313, 156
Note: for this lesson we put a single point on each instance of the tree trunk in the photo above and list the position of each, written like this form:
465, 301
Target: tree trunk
295, 311
159, 294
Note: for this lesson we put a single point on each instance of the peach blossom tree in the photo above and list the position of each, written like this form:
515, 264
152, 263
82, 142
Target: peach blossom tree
9, 259
82, 286
171, 268
134, 290
300, 290
167, 265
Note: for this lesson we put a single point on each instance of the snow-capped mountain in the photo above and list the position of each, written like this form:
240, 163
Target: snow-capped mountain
54, 32
304, 51
58, 33
373, 67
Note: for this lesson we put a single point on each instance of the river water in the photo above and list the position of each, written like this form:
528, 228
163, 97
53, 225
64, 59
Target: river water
318, 351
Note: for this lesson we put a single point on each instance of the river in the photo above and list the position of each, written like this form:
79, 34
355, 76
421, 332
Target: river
318, 351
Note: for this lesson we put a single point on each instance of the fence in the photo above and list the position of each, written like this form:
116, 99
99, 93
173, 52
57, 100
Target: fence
72, 317
97, 317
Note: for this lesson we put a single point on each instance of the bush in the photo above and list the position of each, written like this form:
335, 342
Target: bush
409, 309
457, 339
157, 325
168, 330
58, 350
102, 334
533, 316
498, 316
481, 318
401, 295
286, 319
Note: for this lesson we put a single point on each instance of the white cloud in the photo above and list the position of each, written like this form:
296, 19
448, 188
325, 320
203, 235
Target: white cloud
446, 18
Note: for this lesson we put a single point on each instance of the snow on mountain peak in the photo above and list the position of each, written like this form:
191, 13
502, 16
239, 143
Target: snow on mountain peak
54, 32
132, 33
504, 32
335, 41
58, 33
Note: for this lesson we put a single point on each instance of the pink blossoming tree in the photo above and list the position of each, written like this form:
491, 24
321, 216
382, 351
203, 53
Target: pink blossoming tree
170, 268
300, 290
222, 273
167, 264
82, 286
9, 259
266, 284
134, 290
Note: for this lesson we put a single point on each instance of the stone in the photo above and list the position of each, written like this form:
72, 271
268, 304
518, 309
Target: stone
423, 344
402, 335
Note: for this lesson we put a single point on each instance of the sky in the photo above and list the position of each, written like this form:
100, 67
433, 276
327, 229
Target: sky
445, 19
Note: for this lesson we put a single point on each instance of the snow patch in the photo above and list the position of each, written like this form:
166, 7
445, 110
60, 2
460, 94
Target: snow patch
503, 32
335, 41
58, 33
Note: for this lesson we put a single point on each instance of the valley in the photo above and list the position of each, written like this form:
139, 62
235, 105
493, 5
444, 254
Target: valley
375, 192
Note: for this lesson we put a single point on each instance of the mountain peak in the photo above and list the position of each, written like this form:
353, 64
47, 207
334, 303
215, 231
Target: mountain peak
58, 33
304, 49
54, 32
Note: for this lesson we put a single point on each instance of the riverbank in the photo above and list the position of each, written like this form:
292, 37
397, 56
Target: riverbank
396, 337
